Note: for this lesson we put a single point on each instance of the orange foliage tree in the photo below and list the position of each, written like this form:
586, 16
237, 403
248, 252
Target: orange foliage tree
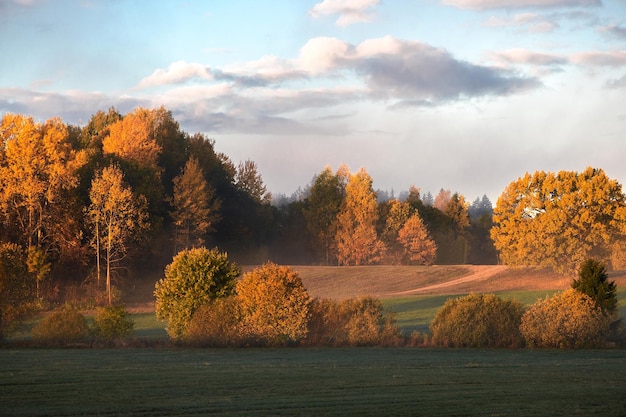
38, 172
559, 219
132, 139
357, 239
418, 245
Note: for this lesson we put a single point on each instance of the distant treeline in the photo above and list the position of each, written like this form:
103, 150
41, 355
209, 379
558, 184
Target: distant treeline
125, 193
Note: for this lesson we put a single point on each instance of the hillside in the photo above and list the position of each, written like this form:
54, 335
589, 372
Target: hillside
401, 281
387, 281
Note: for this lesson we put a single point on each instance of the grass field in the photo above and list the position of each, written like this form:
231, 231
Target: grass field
323, 382
312, 382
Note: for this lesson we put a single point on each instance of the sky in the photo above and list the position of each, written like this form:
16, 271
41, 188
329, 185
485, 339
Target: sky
465, 95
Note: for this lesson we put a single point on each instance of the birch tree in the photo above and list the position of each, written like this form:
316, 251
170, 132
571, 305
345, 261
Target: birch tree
117, 218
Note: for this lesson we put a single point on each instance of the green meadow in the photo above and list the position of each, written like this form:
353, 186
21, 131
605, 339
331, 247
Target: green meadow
165, 380
311, 382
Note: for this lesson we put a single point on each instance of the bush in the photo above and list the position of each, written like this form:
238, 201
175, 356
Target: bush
274, 305
194, 278
355, 322
113, 322
217, 324
63, 327
566, 320
478, 320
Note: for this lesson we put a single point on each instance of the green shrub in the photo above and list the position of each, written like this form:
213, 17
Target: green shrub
478, 320
113, 322
63, 327
217, 324
351, 322
569, 319
194, 278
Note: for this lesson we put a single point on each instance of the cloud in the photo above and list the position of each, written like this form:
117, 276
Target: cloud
617, 83
413, 71
543, 61
178, 72
615, 31
532, 22
349, 11
271, 94
71, 106
613, 59
518, 4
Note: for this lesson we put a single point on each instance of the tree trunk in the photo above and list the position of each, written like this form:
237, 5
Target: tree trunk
109, 242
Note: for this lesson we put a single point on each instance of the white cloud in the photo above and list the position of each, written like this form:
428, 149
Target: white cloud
178, 72
349, 11
323, 54
518, 4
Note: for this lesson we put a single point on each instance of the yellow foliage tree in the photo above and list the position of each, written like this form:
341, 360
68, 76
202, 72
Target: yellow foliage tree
132, 138
274, 304
559, 220
418, 245
38, 168
117, 217
357, 239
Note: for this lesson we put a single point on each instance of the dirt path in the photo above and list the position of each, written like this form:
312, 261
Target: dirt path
475, 273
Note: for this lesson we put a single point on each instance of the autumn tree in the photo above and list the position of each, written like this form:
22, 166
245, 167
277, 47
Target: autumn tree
195, 207
132, 139
395, 215
38, 171
418, 246
93, 134
194, 278
356, 239
442, 199
322, 207
559, 219
274, 304
248, 179
118, 218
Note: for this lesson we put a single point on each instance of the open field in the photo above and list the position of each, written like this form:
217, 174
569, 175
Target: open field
333, 381
412, 293
312, 382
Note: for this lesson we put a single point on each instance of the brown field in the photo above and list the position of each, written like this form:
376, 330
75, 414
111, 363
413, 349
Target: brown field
390, 281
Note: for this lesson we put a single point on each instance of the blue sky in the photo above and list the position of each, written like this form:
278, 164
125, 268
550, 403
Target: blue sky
466, 95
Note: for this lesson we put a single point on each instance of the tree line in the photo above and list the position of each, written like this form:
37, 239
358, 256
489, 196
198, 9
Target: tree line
101, 204
125, 193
